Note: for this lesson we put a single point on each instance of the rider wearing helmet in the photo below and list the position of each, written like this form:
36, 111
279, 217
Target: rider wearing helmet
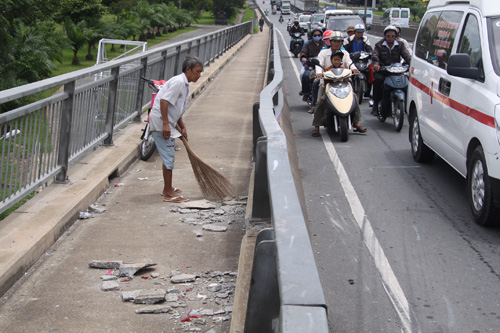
401, 39
310, 50
358, 41
326, 38
295, 28
386, 52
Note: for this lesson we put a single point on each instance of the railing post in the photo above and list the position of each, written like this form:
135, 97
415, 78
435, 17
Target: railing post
163, 68
177, 60
110, 114
263, 309
257, 130
261, 207
65, 133
140, 89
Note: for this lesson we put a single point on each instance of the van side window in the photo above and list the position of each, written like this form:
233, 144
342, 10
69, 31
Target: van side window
404, 13
470, 42
436, 38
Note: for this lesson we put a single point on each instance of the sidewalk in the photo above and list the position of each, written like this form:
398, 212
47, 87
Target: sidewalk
61, 292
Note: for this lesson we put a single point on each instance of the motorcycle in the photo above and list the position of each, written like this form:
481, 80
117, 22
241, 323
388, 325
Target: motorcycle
288, 25
297, 43
360, 81
148, 145
340, 100
395, 87
281, 19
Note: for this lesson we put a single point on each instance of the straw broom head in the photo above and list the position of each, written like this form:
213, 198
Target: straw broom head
211, 182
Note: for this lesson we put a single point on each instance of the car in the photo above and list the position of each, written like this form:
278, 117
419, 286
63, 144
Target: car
453, 97
341, 22
305, 22
317, 22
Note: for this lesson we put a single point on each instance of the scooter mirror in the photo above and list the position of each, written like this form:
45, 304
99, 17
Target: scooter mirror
313, 62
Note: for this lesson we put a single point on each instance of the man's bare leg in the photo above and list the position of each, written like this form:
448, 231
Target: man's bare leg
168, 190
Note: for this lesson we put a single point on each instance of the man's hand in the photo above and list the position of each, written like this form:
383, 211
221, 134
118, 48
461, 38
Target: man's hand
303, 59
376, 68
319, 75
166, 131
355, 71
184, 133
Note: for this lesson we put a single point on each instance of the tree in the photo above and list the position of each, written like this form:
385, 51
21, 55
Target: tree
78, 35
230, 7
80, 10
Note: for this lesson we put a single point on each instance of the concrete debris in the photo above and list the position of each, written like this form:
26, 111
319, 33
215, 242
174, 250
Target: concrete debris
172, 297
198, 321
199, 234
150, 296
219, 211
198, 204
85, 215
105, 264
110, 285
215, 228
233, 203
207, 312
96, 209
211, 331
219, 312
154, 309
129, 296
183, 278
221, 319
109, 277
155, 275
229, 309
130, 269
214, 287
187, 211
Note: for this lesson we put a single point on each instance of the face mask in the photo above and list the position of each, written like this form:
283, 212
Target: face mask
317, 38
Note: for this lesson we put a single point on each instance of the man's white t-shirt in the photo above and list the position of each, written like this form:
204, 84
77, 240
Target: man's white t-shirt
176, 92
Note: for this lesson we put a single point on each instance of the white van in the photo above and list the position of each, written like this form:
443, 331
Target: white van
369, 16
453, 96
397, 15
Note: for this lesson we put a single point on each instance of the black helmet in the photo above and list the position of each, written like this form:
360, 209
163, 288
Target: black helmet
318, 30
337, 53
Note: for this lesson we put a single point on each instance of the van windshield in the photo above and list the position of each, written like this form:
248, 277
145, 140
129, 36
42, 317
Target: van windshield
340, 23
316, 18
494, 41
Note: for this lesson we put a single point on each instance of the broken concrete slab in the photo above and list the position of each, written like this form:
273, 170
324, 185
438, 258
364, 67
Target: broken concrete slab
214, 228
182, 278
150, 296
154, 309
96, 209
129, 296
198, 204
110, 285
109, 277
105, 264
130, 269
214, 287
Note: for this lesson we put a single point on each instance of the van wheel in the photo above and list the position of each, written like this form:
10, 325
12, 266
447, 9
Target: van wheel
479, 190
421, 153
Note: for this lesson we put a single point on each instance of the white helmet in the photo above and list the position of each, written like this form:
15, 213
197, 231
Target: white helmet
359, 27
336, 35
389, 28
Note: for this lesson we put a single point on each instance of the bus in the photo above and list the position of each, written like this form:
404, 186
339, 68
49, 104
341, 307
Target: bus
397, 15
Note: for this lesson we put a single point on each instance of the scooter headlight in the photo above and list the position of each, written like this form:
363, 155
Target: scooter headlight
341, 91
361, 66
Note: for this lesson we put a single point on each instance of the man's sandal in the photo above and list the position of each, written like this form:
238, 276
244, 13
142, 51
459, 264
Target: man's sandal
177, 199
359, 128
315, 132
176, 190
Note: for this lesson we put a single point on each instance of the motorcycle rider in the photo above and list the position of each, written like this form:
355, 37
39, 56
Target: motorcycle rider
336, 59
281, 18
310, 50
293, 29
386, 52
359, 42
350, 32
315, 84
324, 57
401, 39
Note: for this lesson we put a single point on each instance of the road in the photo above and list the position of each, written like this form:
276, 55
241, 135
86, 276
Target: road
395, 243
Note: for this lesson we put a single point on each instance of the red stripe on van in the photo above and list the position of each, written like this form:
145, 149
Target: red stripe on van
464, 109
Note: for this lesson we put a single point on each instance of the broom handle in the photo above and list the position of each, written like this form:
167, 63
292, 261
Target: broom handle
185, 142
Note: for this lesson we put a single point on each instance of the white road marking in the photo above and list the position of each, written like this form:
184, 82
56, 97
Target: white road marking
389, 281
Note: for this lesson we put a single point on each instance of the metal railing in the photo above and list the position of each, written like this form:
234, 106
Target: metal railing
42, 138
286, 293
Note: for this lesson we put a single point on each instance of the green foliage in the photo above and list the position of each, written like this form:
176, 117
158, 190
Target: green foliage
80, 10
228, 6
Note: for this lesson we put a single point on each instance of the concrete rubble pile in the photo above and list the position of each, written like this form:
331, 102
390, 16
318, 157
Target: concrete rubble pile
196, 302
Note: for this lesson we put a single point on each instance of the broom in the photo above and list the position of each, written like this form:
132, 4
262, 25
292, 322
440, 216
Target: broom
211, 182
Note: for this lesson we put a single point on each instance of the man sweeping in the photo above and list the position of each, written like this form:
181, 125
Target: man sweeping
166, 114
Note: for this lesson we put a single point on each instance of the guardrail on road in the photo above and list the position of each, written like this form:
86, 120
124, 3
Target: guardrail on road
40, 140
286, 293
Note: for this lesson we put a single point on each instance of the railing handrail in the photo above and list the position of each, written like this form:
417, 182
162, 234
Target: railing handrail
301, 295
38, 86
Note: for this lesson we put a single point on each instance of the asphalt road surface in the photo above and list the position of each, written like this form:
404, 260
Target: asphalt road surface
395, 243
